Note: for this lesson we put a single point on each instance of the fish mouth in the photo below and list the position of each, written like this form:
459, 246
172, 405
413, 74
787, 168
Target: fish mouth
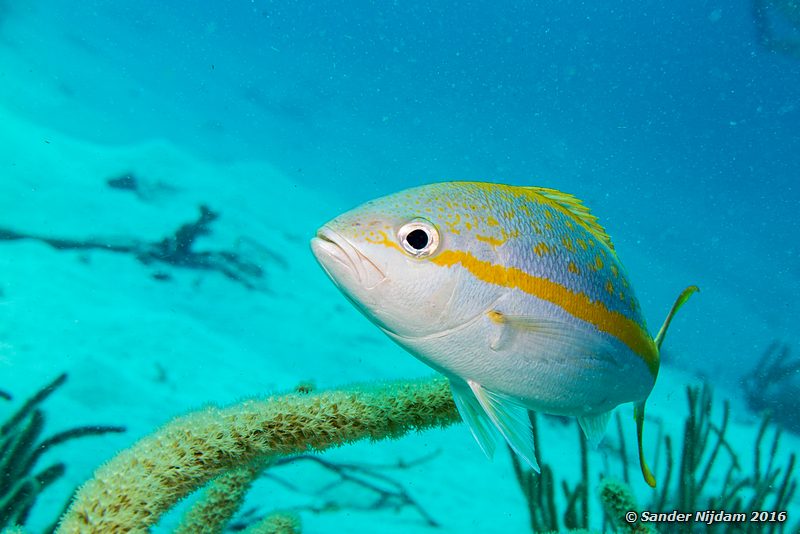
338, 257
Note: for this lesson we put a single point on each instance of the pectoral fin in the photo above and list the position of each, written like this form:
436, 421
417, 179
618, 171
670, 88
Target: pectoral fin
511, 419
546, 332
594, 427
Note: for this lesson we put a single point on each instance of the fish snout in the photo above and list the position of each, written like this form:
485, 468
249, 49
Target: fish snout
344, 263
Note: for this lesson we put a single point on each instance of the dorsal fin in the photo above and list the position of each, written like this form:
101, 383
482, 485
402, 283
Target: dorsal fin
578, 210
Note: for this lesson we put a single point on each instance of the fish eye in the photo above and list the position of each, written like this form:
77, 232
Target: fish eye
419, 238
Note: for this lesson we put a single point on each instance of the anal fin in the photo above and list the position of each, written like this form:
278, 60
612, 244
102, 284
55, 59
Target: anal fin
482, 428
511, 419
594, 427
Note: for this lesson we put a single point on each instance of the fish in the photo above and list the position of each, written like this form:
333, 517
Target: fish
513, 293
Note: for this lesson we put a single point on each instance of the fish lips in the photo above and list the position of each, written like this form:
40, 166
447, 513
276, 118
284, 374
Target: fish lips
347, 266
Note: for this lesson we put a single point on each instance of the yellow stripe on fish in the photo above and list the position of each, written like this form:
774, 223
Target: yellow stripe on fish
576, 304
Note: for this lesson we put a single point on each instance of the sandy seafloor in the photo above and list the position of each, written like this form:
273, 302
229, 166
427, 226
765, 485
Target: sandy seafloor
140, 351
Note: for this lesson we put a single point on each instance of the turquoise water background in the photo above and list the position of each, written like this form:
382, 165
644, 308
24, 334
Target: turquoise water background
671, 120
675, 103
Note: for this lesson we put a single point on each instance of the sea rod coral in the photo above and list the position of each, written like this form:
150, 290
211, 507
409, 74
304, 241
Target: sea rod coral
133, 490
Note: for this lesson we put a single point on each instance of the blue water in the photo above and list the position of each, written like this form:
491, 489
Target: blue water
677, 103
671, 120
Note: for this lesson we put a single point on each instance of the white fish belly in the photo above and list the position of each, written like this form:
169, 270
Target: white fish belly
544, 373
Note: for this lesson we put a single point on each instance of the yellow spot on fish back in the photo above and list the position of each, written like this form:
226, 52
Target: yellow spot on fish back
568, 244
578, 305
491, 240
582, 244
571, 267
609, 287
452, 225
491, 221
547, 214
541, 248
598, 262
615, 271
496, 241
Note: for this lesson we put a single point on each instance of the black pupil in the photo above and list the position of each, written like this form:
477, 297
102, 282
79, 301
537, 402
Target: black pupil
418, 239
